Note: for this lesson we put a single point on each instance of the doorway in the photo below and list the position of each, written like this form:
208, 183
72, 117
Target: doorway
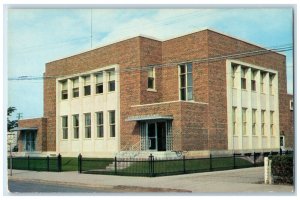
156, 136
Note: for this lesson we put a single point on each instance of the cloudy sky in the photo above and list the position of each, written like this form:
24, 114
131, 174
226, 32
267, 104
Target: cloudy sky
37, 36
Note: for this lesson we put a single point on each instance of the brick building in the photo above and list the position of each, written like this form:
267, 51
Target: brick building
200, 92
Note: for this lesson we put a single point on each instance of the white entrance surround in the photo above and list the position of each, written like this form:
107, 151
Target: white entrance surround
105, 102
254, 103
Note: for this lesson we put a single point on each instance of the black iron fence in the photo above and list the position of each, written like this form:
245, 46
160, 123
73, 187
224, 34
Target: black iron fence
154, 166
37, 163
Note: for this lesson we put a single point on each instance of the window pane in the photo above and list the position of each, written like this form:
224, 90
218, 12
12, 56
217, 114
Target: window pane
190, 93
75, 83
87, 90
253, 85
111, 86
182, 81
182, 69
112, 131
150, 82
99, 131
87, 119
99, 88
76, 92
189, 68
150, 72
112, 117
111, 75
189, 80
75, 120
64, 85
87, 80
151, 130
243, 82
182, 93
99, 78
65, 121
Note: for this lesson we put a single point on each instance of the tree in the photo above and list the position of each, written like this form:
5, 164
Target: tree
11, 123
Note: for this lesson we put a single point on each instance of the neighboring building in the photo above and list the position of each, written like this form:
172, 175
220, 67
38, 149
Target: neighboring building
198, 93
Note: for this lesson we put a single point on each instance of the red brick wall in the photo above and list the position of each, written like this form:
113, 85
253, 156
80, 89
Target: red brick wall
41, 139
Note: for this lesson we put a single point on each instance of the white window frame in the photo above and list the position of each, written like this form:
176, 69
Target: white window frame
87, 134
99, 126
99, 83
64, 90
75, 127
152, 78
244, 121
186, 87
112, 125
65, 131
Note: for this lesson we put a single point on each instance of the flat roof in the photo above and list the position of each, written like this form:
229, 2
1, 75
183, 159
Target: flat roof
24, 129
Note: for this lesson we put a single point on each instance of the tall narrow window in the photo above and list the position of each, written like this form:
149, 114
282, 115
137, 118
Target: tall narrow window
76, 126
75, 87
233, 70
271, 84
151, 78
87, 85
243, 78
262, 86
253, 82
99, 124
186, 81
99, 83
64, 126
244, 118
111, 80
64, 89
234, 120
272, 122
253, 121
87, 124
263, 122
112, 124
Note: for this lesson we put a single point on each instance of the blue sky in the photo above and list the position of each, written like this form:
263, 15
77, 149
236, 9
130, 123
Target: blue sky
37, 36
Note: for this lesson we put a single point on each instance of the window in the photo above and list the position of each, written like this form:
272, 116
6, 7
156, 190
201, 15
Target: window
233, 70
243, 78
99, 124
64, 126
75, 87
111, 80
186, 81
263, 122
262, 87
99, 83
76, 126
253, 121
244, 118
64, 89
271, 84
234, 120
87, 85
87, 123
253, 82
151, 78
112, 123
272, 122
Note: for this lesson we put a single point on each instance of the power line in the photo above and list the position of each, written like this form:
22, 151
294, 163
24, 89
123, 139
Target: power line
200, 60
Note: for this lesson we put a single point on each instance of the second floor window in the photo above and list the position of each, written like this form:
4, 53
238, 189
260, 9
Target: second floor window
262, 86
271, 84
111, 80
151, 78
87, 85
253, 82
64, 89
99, 83
186, 81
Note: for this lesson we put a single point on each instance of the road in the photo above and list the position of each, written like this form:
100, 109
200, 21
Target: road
28, 187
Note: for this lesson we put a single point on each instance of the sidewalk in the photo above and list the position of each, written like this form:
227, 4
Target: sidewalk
239, 181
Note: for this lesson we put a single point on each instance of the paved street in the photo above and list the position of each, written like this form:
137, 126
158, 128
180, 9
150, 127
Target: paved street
240, 181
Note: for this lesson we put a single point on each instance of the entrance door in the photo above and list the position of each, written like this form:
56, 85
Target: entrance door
161, 136
152, 136
29, 139
157, 136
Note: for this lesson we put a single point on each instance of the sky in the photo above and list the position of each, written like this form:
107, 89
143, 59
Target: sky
37, 36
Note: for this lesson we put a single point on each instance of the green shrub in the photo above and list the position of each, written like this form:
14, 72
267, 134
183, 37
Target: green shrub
282, 169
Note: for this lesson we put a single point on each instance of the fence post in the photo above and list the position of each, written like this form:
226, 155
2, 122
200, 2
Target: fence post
79, 163
59, 163
48, 164
234, 161
116, 165
150, 165
210, 162
28, 164
183, 158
